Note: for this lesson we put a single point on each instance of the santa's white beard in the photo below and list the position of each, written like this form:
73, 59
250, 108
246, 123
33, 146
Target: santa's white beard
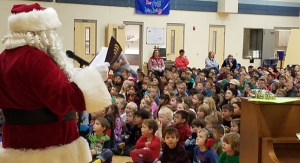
47, 41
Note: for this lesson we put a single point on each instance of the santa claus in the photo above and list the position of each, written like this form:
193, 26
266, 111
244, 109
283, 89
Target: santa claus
40, 95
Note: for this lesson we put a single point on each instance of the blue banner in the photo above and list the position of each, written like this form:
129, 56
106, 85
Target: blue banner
156, 7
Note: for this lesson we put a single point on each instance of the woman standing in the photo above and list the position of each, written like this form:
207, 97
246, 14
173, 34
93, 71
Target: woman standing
156, 63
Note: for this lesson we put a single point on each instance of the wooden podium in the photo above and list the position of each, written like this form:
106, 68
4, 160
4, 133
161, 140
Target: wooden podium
268, 132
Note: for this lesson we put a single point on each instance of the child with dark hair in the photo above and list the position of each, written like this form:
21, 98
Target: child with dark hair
100, 142
227, 111
237, 110
235, 125
173, 151
118, 80
126, 147
113, 111
109, 131
141, 76
180, 123
190, 143
193, 91
164, 99
175, 100
133, 95
229, 95
148, 146
114, 91
143, 89
218, 131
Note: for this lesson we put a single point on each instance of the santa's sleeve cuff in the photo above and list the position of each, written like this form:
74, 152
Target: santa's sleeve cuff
95, 92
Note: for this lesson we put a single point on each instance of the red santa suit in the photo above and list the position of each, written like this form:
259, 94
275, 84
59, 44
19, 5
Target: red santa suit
38, 100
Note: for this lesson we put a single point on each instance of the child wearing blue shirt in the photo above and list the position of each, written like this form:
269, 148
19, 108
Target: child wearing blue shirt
190, 143
203, 153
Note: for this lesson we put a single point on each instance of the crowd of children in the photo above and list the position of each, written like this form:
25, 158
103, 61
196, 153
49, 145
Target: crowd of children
179, 116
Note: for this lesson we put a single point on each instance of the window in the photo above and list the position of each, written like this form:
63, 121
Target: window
87, 40
253, 43
172, 41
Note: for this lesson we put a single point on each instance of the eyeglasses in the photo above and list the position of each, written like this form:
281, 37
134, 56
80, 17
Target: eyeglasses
177, 117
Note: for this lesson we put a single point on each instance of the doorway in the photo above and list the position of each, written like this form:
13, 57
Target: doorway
85, 41
217, 42
134, 43
175, 40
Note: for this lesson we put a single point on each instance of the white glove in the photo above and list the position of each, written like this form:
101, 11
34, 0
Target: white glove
103, 69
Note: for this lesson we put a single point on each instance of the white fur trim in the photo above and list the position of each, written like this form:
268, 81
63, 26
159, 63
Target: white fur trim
36, 20
75, 152
95, 92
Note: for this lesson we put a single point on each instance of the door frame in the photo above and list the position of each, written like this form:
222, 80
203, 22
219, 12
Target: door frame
141, 39
86, 21
177, 24
224, 26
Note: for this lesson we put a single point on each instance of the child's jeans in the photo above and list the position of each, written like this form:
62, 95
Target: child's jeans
105, 155
141, 155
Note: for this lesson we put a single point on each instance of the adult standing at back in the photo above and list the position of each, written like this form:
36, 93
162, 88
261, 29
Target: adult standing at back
156, 63
181, 61
211, 63
231, 62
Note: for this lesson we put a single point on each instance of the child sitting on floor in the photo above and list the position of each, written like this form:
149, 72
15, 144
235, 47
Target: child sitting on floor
173, 151
203, 152
231, 143
180, 123
126, 147
147, 148
100, 142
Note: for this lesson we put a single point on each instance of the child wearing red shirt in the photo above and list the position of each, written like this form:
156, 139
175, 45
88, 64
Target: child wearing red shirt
180, 124
148, 146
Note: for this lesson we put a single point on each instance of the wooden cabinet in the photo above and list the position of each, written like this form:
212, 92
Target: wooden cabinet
268, 132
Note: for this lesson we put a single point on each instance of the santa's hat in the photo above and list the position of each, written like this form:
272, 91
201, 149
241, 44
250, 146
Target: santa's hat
32, 18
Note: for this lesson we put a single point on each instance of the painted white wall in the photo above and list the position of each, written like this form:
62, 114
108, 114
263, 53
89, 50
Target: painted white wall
196, 42
132, 45
132, 30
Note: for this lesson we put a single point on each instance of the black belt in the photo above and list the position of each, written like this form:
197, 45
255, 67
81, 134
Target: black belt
33, 117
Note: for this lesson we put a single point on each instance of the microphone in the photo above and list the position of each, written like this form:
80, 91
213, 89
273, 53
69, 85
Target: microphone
81, 61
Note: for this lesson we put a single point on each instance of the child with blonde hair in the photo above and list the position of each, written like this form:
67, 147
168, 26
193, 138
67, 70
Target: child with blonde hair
231, 146
210, 102
181, 90
164, 119
210, 120
197, 100
145, 103
203, 151
218, 115
131, 106
153, 104
203, 111
125, 88
121, 103
182, 106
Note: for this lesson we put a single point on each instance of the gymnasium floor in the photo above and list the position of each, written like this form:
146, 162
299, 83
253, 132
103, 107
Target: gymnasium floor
121, 159
116, 159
